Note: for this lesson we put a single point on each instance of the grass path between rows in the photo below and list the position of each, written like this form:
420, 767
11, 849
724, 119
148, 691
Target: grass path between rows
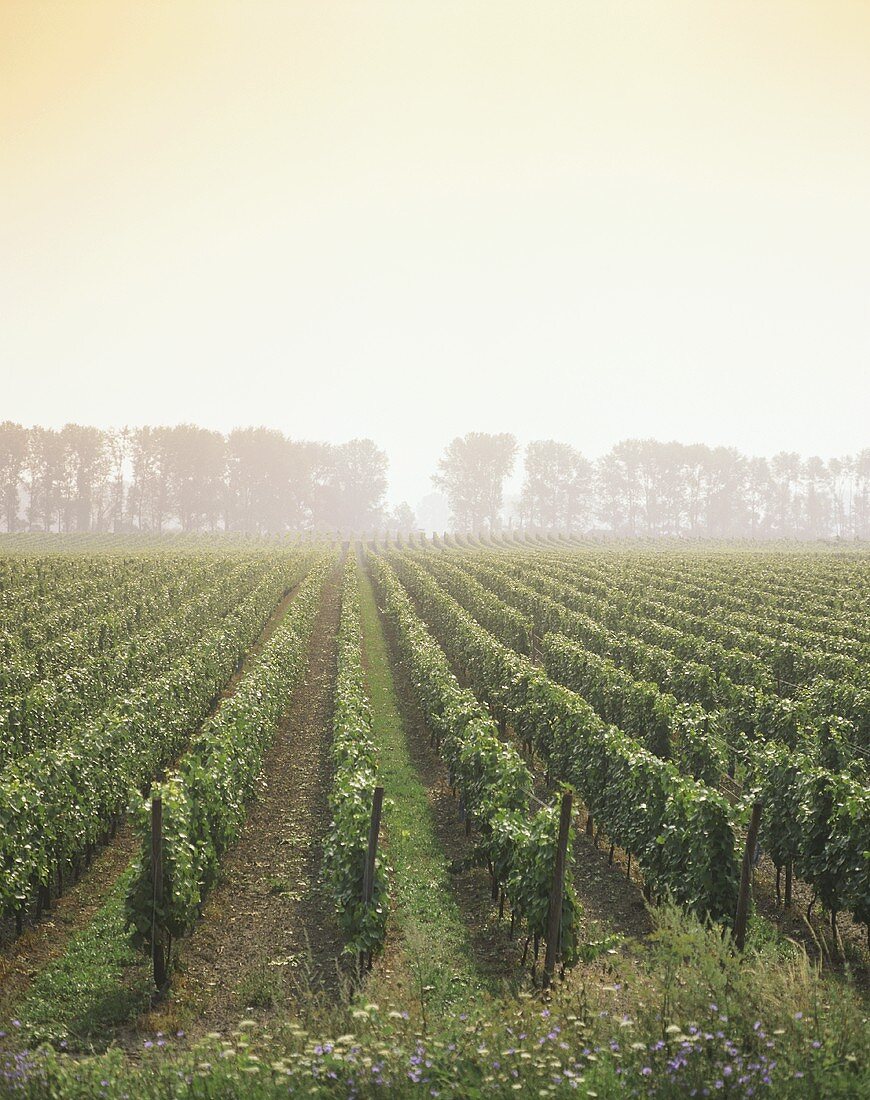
98, 984
428, 960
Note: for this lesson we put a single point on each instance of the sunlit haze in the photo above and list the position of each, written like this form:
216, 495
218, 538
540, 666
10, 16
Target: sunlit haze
580, 221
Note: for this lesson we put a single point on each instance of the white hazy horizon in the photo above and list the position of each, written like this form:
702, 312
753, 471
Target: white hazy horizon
576, 221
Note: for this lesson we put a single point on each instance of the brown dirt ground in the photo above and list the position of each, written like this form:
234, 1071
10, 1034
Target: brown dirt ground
40, 943
814, 934
268, 936
23, 957
612, 902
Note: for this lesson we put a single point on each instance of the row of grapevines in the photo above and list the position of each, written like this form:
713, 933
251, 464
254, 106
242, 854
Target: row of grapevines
743, 710
751, 710
683, 732
80, 612
689, 681
815, 817
204, 801
518, 845
817, 820
356, 775
50, 708
66, 589
748, 604
773, 588
791, 656
508, 624
56, 803
737, 665
679, 830
815, 699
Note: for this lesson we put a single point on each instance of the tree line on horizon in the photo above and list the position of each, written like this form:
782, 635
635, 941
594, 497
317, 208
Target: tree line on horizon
258, 481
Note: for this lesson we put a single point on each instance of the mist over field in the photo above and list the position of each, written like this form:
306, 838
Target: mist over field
582, 223
257, 481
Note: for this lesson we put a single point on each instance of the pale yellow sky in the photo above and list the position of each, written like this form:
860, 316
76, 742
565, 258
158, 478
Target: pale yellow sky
583, 220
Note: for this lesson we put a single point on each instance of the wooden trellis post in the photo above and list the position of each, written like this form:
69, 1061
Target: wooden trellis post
371, 855
554, 917
158, 956
742, 917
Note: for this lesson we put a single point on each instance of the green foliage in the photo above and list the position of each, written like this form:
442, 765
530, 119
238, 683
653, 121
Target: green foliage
182, 862
819, 821
58, 798
206, 798
355, 779
682, 732
679, 830
517, 844
812, 780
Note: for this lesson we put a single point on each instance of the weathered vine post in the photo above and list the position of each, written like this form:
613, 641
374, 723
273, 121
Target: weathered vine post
371, 855
554, 915
158, 956
742, 917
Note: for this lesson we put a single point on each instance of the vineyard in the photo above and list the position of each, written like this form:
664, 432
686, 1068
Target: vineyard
459, 817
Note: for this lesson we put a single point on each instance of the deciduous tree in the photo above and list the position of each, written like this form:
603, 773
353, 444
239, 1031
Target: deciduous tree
471, 472
557, 491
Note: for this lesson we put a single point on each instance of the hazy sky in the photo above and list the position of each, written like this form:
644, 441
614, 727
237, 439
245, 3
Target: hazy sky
584, 220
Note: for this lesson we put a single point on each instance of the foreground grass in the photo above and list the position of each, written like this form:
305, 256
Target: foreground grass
684, 1016
435, 953
97, 984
